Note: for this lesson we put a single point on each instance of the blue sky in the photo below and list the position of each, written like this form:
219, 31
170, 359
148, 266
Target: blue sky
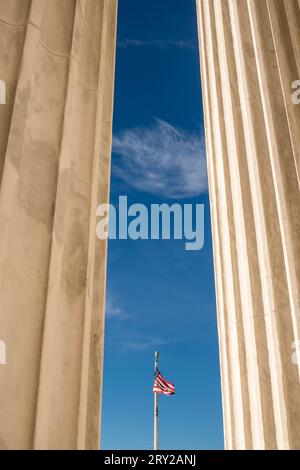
160, 296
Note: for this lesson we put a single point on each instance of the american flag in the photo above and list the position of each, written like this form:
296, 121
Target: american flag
161, 385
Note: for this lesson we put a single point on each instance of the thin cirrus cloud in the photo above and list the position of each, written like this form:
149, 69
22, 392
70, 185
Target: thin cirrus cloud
114, 311
161, 44
147, 344
162, 160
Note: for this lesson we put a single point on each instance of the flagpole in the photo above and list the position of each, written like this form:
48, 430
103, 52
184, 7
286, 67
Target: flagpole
156, 434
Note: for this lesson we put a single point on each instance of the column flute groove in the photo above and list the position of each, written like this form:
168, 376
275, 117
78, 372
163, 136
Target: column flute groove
233, 326
225, 375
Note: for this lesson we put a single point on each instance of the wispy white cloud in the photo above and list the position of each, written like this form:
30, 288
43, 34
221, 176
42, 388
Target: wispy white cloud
162, 160
161, 44
147, 344
114, 311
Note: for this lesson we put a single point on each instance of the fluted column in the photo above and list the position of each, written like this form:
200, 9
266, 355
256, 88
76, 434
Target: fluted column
249, 60
57, 60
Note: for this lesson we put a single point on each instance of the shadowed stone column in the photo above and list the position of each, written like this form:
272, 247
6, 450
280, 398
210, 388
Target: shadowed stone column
249, 61
57, 61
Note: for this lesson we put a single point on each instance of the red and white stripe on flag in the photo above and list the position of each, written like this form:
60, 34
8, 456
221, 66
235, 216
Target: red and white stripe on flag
162, 386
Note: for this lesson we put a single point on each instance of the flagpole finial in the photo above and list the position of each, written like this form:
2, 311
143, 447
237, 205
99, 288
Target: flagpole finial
156, 354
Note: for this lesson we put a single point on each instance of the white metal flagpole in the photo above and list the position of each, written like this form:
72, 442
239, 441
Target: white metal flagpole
156, 435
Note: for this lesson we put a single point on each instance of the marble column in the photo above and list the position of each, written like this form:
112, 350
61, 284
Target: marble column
250, 57
57, 61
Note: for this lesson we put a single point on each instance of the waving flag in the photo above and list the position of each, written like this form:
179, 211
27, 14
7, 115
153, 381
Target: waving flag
162, 386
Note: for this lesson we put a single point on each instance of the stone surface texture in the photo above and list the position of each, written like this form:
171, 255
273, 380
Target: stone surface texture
250, 56
57, 59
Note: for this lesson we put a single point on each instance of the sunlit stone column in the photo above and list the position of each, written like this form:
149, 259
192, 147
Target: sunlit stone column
57, 61
250, 57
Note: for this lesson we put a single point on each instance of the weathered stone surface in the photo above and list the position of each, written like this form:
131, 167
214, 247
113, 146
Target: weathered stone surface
57, 60
249, 60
